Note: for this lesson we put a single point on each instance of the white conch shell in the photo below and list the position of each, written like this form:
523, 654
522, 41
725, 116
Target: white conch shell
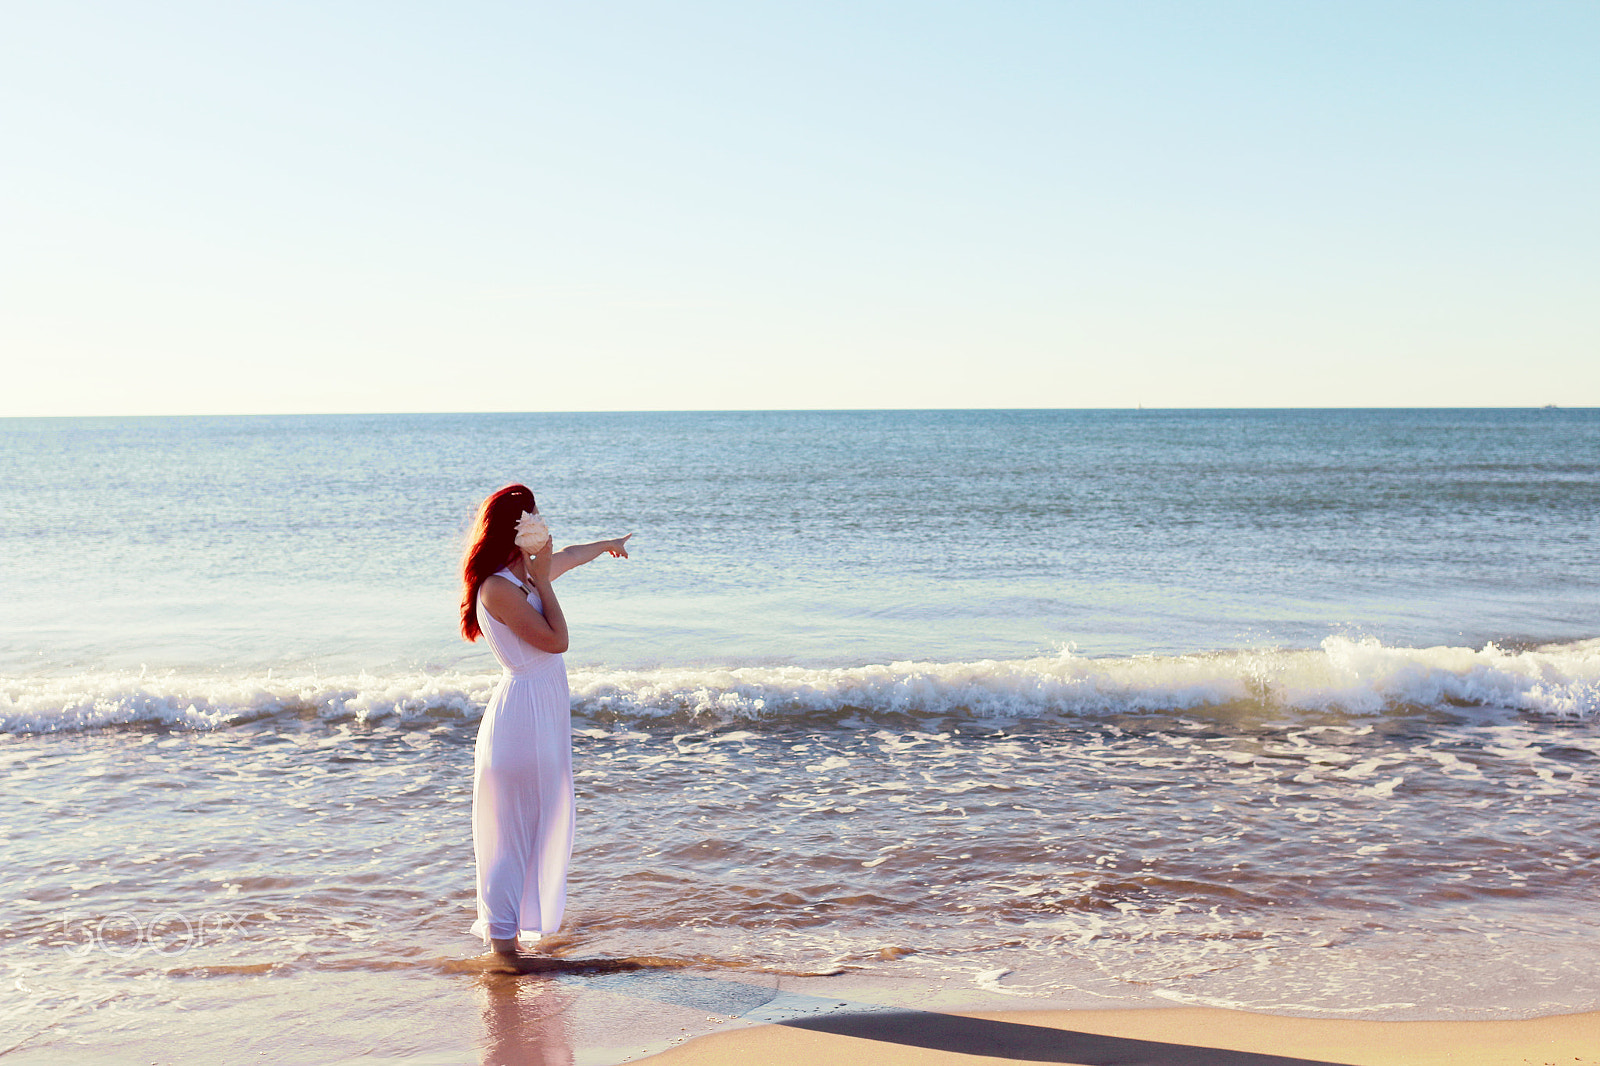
532, 533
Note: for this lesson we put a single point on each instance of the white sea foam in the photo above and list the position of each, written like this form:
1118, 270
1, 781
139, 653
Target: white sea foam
89, 701
1355, 677
1352, 677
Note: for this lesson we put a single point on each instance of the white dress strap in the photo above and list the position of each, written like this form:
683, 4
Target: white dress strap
509, 576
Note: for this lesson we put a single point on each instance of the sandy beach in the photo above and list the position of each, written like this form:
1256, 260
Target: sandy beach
1184, 1036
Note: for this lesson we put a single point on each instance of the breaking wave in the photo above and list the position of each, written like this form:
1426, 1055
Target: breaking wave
1353, 677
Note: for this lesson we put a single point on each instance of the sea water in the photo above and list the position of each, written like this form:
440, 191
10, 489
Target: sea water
1281, 710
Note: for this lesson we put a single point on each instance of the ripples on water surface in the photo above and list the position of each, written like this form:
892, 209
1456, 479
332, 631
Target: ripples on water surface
1424, 860
814, 538
1287, 710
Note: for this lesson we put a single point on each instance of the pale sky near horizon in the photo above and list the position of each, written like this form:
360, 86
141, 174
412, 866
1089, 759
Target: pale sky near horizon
363, 206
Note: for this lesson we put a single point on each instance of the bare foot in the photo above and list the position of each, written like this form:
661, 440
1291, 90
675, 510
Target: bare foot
511, 958
507, 955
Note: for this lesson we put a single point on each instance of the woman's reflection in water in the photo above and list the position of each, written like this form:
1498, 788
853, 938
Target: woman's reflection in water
524, 1022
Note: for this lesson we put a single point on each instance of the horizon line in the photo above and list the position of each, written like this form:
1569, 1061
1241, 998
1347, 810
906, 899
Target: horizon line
781, 410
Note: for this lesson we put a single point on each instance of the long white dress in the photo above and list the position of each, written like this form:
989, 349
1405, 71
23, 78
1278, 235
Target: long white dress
522, 801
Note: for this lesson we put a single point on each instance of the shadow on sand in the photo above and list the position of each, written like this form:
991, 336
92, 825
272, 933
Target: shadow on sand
756, 1003
1027, 1043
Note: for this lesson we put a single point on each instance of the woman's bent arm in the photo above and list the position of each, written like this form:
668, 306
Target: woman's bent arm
545, 630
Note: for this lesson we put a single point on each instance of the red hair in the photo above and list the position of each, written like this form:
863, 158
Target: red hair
490, 546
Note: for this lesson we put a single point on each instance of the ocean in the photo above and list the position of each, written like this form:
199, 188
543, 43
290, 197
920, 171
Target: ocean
1291, 711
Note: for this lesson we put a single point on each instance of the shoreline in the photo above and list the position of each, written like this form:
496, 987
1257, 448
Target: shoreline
1157, 1036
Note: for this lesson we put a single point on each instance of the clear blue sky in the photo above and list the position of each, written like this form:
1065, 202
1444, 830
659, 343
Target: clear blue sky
395, 206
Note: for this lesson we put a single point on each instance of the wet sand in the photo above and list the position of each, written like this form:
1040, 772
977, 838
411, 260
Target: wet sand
587, 1012
1186, 1036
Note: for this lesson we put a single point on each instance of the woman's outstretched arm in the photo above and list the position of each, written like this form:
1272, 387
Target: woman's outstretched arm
575, 555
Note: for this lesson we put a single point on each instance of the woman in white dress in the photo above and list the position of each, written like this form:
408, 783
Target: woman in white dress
522, 778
